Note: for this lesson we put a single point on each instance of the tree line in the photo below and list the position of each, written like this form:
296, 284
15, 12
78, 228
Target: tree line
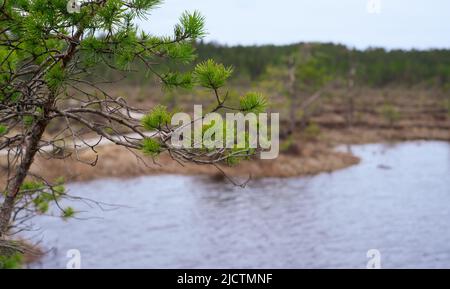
375, 67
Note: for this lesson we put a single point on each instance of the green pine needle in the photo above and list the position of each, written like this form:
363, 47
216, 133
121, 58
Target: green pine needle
191, 25
151, 147
157, 118
212, 75
253, 102
68, 213
3, 129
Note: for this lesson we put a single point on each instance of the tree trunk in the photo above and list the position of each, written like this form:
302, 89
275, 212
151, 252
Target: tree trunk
448, 104
32, 146
21, 172
292, 116
292, 96
350, 110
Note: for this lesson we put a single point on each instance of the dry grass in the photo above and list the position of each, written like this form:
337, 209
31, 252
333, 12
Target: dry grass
422, 116
116, 162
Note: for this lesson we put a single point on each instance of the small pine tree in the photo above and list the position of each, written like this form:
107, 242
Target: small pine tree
51, 65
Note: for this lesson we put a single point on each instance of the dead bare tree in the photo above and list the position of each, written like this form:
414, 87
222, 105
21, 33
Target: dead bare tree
306, 81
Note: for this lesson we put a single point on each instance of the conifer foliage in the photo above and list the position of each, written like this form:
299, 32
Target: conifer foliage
49, 60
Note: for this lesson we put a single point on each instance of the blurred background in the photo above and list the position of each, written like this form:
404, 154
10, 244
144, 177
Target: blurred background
363, 92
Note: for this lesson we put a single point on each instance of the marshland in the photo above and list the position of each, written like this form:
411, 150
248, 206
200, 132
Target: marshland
86, 162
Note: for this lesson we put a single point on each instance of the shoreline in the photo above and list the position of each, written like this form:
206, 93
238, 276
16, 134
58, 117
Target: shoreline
310, 157
420, 116
302, 158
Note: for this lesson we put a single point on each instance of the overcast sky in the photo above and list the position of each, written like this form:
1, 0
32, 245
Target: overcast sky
403, 24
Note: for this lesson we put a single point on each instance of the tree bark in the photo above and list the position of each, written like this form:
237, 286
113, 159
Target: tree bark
31, 147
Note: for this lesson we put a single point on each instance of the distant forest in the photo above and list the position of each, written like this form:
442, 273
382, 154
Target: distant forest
375, 67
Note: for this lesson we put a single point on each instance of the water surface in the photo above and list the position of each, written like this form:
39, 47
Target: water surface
397, 200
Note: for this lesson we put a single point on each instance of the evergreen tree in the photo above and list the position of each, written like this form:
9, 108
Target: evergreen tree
49, 72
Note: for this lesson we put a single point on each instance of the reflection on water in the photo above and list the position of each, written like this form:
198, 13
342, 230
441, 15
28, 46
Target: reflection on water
397, 200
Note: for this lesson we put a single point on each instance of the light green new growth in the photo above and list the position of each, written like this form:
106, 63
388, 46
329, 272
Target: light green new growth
253, 102
68, 213
43, 194
151, 147
158, 117
210, 74
191, 24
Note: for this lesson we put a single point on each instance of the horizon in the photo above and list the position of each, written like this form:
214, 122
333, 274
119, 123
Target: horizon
216, 43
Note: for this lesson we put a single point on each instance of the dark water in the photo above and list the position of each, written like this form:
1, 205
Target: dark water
396, 201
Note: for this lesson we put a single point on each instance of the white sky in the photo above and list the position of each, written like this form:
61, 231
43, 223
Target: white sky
403, 24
